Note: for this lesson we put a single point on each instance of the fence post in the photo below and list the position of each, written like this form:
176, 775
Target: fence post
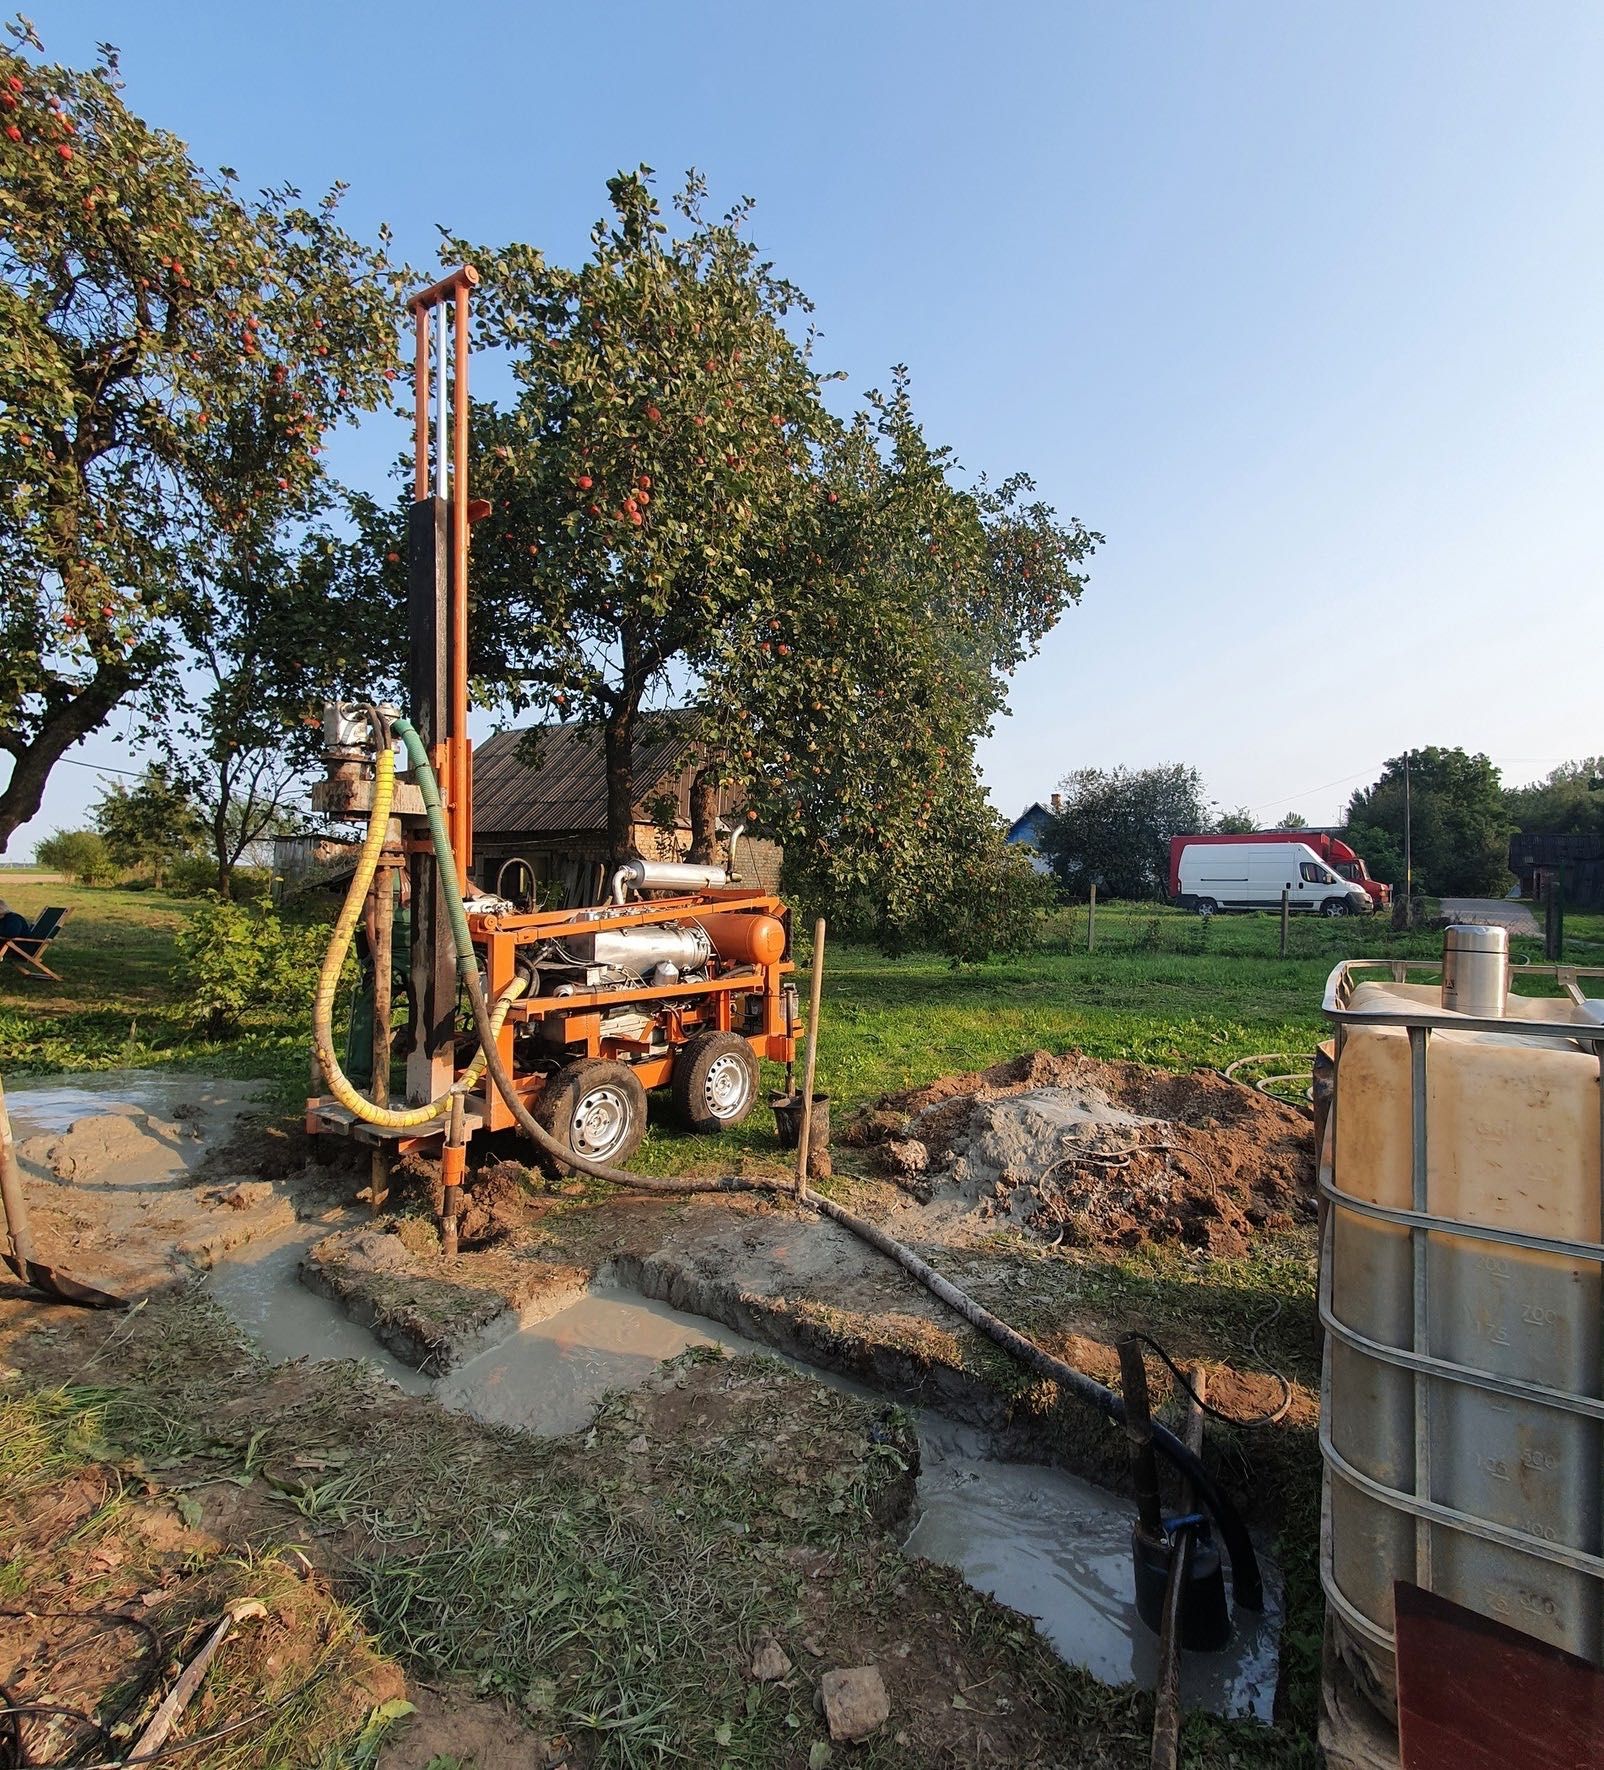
1286, 915
1554, 921
1091, 918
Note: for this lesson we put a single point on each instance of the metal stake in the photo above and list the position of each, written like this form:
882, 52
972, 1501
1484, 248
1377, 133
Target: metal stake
1167, 1691
383, 980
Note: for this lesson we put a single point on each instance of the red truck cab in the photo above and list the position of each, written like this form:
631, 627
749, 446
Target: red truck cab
1332, 850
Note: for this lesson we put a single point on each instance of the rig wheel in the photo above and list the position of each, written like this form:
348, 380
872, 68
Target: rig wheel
596, 1108
715, 1081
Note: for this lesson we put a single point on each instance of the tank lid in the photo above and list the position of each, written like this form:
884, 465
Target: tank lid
1475, 937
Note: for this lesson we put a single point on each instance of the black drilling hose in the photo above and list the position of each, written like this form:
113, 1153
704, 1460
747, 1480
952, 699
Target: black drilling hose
1246, 1581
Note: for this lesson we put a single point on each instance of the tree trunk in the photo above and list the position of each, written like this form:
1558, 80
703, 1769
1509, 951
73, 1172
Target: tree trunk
63, 727
618, 740
220, 842
704, 817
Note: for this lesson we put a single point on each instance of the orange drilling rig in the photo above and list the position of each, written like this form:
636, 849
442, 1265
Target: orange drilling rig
678, 981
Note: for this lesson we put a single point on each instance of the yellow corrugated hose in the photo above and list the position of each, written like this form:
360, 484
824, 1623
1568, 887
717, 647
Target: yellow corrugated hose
340, 1085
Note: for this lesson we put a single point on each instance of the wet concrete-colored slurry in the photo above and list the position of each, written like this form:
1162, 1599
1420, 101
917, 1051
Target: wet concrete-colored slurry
112, 1167
1044, 1542
111, 1162
258, 1285
548, 1377
1058, 1549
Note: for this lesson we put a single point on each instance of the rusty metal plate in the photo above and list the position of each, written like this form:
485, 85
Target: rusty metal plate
1474, 1694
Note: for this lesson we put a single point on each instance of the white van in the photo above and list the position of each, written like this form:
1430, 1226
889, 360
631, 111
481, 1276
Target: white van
1252, 875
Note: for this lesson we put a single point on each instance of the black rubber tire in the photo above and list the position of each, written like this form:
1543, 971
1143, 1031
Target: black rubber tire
715, 1081
1334, 906
1206, 906
603, 1092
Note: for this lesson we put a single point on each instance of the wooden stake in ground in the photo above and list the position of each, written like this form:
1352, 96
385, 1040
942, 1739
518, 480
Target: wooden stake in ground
20, 1255
189, 1680
1167, 1692
804, 1152
16, 1205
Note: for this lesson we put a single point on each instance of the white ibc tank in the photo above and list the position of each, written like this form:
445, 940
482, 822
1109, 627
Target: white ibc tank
1460, 1292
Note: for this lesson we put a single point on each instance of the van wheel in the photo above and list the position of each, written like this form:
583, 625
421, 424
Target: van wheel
1206, 906
715, 1081
596, 1108
1334, 906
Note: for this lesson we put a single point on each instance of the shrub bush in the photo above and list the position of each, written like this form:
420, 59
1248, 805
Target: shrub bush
78, 855
234, 958
196, 874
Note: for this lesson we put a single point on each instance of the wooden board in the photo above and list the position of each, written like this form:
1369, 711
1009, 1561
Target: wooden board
1474, 1694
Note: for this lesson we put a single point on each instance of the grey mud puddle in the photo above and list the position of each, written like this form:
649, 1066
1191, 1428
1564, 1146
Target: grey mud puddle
45, 1106
1041, 1541
1057, 1548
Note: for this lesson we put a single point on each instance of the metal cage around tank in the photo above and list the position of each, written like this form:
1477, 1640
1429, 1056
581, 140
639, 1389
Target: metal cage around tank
1413, 1372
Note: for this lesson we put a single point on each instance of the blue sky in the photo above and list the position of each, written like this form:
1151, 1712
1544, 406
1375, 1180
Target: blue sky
1301, 306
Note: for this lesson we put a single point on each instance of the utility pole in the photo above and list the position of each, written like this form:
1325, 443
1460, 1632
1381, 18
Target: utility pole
1409, 859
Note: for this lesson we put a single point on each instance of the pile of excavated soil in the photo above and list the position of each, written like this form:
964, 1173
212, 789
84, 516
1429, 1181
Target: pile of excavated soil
1094, 1154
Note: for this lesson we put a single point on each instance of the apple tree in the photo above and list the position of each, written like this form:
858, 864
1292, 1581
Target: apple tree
172, 354
657, 453
679, 518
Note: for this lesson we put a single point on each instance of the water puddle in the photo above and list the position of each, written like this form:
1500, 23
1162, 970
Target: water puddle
550, 1375
259, 1285
1049, 1545
1058, 1549
48, 1107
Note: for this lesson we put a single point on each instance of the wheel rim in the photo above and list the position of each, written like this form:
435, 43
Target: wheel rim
600, 1123
727, 1087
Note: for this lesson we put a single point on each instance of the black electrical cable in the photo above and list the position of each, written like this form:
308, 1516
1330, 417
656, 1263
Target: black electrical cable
172, 1746
1273, 1418
15, 1752
104, 1623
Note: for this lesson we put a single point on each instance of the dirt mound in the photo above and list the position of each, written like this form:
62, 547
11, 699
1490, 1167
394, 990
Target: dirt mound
1102, 1154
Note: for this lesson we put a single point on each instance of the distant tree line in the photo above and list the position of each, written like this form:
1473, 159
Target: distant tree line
1114, 826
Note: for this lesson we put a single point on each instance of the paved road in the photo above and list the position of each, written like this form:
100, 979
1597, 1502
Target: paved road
1497, 912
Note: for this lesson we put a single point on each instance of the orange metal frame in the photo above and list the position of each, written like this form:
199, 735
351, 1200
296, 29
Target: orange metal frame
577, 1021
452, 759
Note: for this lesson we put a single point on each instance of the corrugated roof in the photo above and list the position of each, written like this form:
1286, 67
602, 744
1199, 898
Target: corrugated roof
565, 787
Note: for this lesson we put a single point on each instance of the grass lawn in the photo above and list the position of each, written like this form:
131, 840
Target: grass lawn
116, 1005
1160, 987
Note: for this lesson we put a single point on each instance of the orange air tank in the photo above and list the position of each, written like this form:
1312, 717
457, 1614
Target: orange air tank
745, 940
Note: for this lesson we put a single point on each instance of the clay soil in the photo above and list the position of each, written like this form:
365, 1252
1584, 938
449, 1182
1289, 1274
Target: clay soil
1117, 1155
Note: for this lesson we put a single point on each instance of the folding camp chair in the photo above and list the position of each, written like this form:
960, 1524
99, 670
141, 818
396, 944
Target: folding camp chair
24, 949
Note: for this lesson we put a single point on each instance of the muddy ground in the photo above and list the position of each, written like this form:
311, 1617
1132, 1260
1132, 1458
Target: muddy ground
135, 1179
727, 1507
